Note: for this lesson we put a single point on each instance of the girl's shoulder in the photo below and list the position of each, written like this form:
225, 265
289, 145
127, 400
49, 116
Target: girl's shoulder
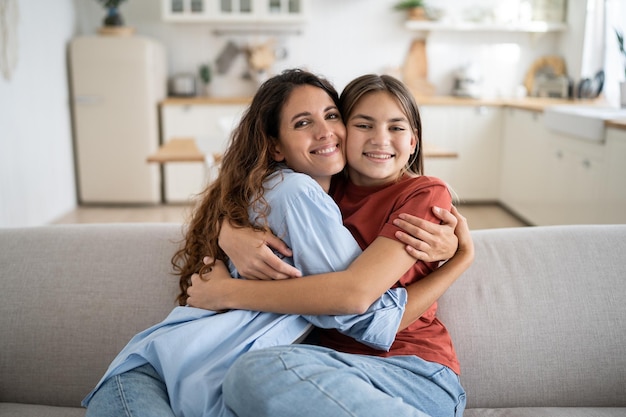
423, 181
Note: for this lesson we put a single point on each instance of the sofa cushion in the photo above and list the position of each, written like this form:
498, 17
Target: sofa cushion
72, 297
539, 319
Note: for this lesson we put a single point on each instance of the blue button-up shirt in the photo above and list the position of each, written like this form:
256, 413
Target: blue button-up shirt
193, 348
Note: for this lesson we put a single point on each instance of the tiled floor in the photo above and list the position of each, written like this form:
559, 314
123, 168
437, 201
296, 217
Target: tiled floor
479, 216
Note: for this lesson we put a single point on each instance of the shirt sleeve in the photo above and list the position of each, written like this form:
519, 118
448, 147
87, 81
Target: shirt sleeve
310, 223
418, 199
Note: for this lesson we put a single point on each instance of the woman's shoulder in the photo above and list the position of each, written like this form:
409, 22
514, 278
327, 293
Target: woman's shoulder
295, 191
288, 180
287, 185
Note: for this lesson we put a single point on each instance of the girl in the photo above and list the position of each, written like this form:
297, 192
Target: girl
183, 359
419, 375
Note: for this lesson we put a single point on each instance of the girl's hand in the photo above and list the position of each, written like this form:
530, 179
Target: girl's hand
205, 290
251, 252
427, 241
462, 231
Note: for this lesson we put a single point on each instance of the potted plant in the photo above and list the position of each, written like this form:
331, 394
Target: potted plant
414, 9
204, 71
620, 44
113, 18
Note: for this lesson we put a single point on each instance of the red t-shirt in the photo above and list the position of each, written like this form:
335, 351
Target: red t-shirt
368, 212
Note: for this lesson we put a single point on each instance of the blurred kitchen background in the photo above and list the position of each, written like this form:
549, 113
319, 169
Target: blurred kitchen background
87, 109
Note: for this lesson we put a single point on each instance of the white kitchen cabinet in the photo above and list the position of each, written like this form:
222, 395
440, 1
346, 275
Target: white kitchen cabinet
575, 177
235, 11
524, 163
210, 125
474, 133
614, 190
549, 178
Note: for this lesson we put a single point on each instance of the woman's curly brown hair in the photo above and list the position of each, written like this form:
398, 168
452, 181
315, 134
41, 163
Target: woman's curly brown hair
247, 162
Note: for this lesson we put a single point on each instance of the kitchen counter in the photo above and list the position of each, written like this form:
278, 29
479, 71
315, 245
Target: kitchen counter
200, 100
536, 104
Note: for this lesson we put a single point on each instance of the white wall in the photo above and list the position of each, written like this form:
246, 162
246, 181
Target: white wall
344, 38
36, 159
347, 38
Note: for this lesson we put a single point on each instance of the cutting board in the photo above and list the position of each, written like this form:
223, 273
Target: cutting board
415, 69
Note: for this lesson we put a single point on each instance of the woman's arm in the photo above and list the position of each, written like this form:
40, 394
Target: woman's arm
250, 250
337, 293
350, 291
326, 293
421, 294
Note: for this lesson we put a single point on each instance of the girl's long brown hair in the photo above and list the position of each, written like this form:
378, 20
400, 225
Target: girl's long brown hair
247, 162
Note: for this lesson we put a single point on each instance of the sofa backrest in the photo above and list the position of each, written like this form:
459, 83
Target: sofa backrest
72, 297
539, 319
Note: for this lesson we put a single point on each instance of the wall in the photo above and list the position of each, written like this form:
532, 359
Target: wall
36, 159
343, 39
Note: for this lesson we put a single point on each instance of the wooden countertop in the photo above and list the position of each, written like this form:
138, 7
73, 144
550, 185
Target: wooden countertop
536, 104
188, 101
186, 150
178, 150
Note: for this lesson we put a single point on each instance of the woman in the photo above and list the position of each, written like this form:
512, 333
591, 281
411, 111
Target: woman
419, 375
192, 349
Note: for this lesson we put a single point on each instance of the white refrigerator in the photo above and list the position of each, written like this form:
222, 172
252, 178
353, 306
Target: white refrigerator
117, 83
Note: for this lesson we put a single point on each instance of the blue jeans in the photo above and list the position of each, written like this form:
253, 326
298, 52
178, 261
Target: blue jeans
314, 381
136, 393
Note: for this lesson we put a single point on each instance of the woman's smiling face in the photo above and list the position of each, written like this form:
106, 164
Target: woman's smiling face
311, 135
380, 140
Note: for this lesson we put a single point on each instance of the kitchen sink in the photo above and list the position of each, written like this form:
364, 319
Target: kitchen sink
585, 122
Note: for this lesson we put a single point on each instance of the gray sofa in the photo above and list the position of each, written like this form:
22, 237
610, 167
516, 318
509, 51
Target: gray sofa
539, 320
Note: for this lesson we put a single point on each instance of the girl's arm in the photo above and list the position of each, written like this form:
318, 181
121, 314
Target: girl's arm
250, 250
337, 293
347, 292
421, 294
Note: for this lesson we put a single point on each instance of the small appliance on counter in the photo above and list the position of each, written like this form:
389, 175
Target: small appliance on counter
467, 82
552, 86
591, 87
183, 85
547, 77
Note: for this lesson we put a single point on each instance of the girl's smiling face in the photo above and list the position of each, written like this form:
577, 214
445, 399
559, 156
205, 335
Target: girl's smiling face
311, 135
380, 140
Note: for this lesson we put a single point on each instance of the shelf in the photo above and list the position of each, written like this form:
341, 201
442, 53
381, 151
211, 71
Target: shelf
237, 12
529, 27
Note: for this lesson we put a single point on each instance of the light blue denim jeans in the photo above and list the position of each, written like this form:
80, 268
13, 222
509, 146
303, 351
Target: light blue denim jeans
307, 380
139, 392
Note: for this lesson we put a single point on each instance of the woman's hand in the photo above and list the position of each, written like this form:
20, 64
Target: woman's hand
205, 290
251, 252
427, 241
